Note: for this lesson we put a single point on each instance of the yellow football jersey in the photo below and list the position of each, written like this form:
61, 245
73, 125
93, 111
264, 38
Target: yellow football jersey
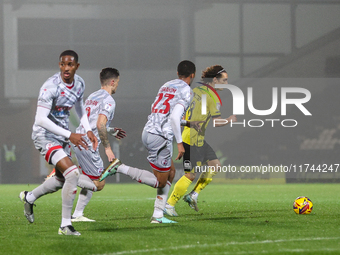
194, 113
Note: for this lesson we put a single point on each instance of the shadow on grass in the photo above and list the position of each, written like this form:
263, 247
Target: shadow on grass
252, 212
134, 229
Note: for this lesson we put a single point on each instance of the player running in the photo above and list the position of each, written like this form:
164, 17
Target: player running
197, 150
163, 124
52, 137
100, 108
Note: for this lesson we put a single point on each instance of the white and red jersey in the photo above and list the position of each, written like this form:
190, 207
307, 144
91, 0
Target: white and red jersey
170, 94
60, 98
99, 102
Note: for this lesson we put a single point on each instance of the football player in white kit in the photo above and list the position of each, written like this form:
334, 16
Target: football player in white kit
163, 124
51, 136
100, 108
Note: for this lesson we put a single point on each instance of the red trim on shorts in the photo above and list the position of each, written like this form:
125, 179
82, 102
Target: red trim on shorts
159, 168
90, 176
48, 154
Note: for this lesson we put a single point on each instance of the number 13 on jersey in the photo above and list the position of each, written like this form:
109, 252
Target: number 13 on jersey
161, 102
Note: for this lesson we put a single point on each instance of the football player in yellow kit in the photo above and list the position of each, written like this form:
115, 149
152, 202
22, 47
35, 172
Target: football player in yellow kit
197, 151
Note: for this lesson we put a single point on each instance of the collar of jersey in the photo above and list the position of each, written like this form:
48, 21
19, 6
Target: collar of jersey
212, 89
69, 86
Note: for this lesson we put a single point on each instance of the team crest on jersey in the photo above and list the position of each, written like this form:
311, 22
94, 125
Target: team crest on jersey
218, 106
62, 94
49, 146
108, 107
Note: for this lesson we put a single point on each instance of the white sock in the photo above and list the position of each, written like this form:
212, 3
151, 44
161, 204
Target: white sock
68, 194
139, 175
51, 185
30, 198
123, 169
162, 195
83, 199
85, 182
65, 222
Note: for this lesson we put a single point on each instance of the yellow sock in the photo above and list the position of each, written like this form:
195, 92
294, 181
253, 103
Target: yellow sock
201, 184
180, 189
203, 181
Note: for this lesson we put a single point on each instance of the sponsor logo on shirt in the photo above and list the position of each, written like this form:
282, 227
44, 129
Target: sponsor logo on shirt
61, 111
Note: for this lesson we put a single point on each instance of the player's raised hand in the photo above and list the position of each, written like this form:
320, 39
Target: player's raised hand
93, 139
181, 151
116, 132
79, 141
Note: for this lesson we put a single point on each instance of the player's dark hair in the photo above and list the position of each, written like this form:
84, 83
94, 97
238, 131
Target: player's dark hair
211, 72
186, 68
108, 73
69, 53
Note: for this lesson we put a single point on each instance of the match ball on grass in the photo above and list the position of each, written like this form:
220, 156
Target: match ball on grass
302, 205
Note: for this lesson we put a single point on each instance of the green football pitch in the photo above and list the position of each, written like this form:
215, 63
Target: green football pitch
233, 219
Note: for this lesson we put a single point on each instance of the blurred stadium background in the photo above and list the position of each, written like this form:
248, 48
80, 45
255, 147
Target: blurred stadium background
282, 40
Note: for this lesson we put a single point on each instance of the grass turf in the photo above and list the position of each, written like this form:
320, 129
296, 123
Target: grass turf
233, 219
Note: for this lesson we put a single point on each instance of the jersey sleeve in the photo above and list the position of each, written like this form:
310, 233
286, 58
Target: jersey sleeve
82, 89
214, 107
46, 95
108, 108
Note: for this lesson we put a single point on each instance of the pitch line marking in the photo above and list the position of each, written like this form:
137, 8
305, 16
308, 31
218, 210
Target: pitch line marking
285, 251
225, 244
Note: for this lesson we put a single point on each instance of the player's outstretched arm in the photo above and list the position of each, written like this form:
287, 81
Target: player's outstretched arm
223, 122
196, 125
